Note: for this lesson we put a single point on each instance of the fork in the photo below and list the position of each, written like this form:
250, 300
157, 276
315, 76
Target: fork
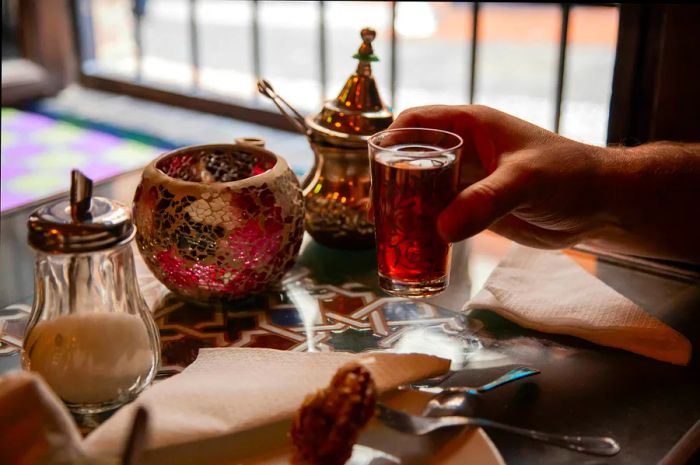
418, 425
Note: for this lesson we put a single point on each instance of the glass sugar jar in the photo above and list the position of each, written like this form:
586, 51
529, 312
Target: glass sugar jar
91, 334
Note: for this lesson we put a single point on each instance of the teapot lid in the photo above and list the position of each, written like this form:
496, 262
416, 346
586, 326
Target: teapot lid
81, 223
358, 112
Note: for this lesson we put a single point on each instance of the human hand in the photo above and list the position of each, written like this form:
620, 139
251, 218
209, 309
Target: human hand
519, 180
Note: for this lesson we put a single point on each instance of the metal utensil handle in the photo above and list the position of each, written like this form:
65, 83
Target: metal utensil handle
588, 444
265, 88
512, 375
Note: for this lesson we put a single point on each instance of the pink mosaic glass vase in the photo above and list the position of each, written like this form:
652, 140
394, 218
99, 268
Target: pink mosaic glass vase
219, 222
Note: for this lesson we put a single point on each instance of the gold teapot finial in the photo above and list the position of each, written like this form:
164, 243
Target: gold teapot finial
366, 53
354, 115
368, 34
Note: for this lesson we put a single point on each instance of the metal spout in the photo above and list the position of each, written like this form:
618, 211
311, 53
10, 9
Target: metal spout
80, 197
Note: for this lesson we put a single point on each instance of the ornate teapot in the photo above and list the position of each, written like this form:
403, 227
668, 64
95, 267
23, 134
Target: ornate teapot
337, 189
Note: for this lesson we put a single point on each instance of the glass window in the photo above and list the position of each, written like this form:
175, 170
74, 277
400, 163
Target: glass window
517, 59
226, 47
113, 34
290, 52
166, 43
433, 53
590, 63
516, 64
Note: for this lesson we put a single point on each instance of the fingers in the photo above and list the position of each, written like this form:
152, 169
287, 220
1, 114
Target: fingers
467, 121
433, 116
483, 203
530, 235
492, 132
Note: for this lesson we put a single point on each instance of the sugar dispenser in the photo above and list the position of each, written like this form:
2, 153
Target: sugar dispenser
90, 334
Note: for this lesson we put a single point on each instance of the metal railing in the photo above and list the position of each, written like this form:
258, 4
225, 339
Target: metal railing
86, 52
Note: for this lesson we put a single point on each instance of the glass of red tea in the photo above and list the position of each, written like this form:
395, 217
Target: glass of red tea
415, 174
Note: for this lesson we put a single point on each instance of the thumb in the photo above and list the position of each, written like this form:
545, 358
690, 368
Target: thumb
483, 203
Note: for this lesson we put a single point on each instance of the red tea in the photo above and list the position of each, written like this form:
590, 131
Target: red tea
408, 193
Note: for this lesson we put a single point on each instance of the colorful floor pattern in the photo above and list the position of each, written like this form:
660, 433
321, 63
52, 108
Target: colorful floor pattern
38, 152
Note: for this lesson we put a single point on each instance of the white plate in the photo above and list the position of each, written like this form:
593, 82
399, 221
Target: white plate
378, 445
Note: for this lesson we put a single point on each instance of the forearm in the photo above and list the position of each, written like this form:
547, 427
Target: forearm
651, 195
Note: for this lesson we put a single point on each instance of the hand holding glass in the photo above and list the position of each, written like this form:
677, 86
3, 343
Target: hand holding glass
415, 175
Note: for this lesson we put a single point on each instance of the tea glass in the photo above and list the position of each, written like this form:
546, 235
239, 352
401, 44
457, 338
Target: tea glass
414, 175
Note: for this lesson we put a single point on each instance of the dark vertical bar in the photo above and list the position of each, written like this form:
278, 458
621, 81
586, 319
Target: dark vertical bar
255, 29
393, 69
139, 11
475, 41
139, 48
563, 40
194, 45
323, 64
83, 30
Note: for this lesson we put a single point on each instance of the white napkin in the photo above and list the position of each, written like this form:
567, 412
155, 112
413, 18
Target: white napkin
229, 390
547, 291
35, 427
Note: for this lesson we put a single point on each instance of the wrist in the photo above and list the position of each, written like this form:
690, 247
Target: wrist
611, 190
646, 194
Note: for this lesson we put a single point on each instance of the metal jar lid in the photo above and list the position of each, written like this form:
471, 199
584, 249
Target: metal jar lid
358, 112
80, 224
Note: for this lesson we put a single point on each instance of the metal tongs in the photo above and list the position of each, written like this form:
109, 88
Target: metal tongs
299, 123
265, 88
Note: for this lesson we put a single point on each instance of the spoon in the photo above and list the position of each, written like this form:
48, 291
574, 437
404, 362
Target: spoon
460, 400
420, 425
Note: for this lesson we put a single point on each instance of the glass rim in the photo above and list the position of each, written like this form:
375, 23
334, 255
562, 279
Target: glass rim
456, 147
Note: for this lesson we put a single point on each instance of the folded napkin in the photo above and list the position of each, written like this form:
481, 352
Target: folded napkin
230, 390
547, 291
35, 427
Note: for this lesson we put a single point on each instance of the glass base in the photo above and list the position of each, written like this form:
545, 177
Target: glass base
100, 407
412, 290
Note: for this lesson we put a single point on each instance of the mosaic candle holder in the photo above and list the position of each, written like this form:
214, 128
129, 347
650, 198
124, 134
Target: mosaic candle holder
219, 222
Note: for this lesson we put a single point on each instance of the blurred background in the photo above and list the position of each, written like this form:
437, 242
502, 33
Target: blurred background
305, 49
428, 51
109, 84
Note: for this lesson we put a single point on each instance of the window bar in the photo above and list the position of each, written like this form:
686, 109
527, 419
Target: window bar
83, 30
139, 11
323, 64
392, 75
194, 45
472, 63
255, 30
563, 40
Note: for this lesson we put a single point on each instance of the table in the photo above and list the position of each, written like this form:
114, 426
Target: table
330, 301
